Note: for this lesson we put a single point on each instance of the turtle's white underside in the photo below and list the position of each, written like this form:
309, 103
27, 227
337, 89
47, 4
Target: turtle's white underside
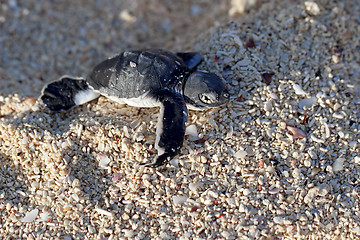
143, 101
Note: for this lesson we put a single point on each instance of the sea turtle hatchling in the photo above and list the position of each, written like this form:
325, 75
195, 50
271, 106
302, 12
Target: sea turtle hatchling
148, 78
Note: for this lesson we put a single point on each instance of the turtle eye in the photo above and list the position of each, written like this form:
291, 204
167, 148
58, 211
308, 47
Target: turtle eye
208, 98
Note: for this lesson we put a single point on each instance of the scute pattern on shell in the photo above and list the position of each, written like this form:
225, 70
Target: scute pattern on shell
134, 73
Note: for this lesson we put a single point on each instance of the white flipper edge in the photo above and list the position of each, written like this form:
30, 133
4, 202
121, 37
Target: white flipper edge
85, 96
159, 131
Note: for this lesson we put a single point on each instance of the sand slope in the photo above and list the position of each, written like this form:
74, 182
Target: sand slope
281, 160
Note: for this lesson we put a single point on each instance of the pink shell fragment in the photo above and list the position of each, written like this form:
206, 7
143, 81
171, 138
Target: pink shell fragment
296, 132
116, 177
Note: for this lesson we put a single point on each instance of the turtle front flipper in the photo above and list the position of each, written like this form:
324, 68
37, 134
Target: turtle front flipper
67, 92
191, 59
170, 127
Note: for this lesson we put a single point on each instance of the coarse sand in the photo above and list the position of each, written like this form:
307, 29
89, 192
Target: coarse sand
280, 161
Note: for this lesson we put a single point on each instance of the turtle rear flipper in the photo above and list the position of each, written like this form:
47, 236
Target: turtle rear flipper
170, 127
67, 92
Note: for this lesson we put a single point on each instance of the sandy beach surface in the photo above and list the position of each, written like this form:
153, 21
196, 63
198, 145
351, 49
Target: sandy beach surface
280, 161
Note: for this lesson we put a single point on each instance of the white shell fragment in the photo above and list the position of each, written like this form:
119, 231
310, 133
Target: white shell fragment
281, 220
246, 192
174, 162
274, 96
274, 190
240, 154
132, 64
191, 131
339, 115
307, 102
278, 220
30, 216
178, 200
312, 8
298, 90
104, 212
268, 106
315, 139
103, 159
230, 133
338, 165
44, 216
296, 132
327, 129
311, 194
194, 186
126, 16
128, 233
357, 159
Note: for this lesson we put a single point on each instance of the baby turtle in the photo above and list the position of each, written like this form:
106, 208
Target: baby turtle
148, 78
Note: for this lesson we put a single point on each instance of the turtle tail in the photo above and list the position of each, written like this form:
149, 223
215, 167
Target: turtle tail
66, 93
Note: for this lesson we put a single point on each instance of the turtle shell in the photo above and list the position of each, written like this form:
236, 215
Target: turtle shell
132, 74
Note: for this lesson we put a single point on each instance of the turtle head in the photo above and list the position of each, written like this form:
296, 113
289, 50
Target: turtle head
205, 90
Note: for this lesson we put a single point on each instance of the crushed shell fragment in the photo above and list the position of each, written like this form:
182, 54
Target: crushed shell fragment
30, 216
338, 165
103, 159
296, 132
298, 90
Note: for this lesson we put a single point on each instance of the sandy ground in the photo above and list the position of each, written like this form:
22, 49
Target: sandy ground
280, 161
